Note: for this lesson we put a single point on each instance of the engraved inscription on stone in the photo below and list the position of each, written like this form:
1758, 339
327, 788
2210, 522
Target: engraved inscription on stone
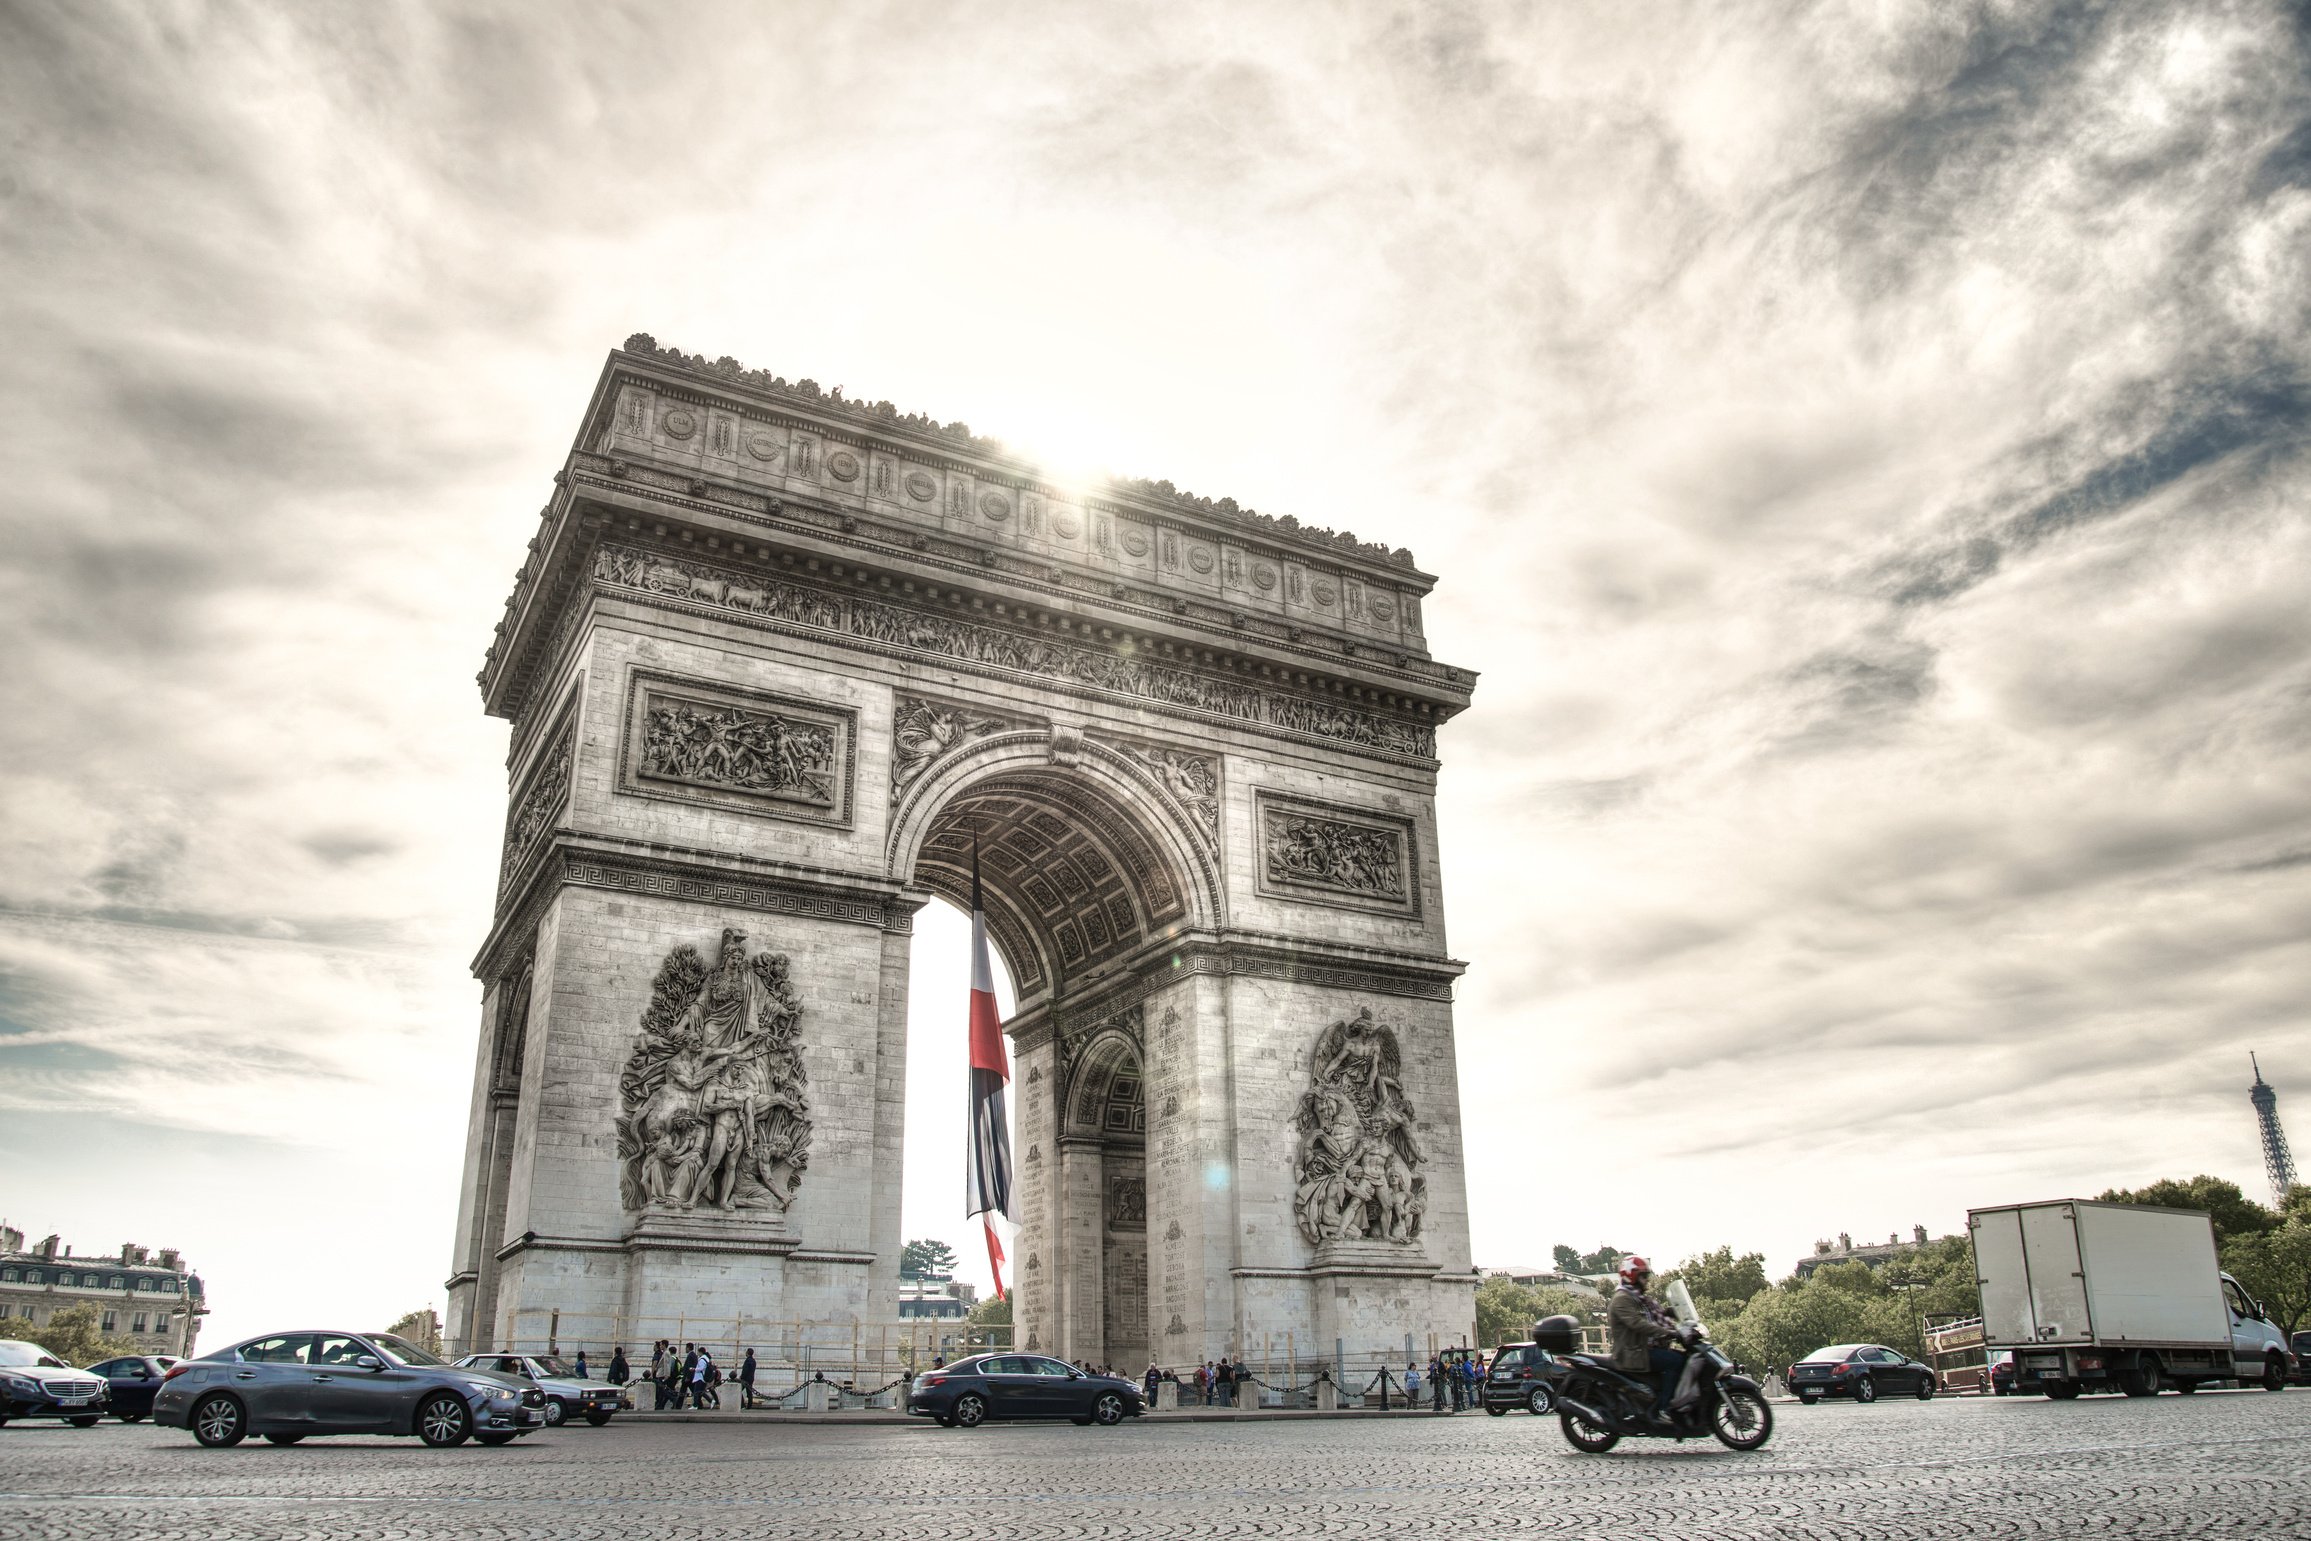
714, 1107
1357, 1172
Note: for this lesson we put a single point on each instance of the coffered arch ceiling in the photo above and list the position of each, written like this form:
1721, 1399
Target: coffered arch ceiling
1073, 878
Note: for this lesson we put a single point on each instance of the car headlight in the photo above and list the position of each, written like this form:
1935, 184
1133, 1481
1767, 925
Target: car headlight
20, 1385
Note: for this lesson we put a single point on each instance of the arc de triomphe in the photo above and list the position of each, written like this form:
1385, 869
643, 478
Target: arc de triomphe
774, 661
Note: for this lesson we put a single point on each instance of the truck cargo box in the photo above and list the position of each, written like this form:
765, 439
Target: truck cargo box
2077, 1271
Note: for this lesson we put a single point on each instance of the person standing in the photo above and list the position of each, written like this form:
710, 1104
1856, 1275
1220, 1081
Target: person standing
619, 1372
1154, 1379
658, 1360
699, 1369
1436, 1383
746, 1381
581, 1364
1411, 1384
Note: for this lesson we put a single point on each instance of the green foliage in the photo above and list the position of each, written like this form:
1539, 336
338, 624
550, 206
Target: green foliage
926, 1259
2233, 1212
2275, 1267
991, 1312
73, 1335
1603, 1260
1847, 1303
1506, 1310
1721, 1278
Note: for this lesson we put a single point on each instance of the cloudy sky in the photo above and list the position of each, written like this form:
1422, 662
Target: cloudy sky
1863, 448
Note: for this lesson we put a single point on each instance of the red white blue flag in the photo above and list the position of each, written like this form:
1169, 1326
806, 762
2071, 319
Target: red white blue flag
987, 1179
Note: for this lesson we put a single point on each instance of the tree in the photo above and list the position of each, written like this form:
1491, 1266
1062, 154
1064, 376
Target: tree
1603, 1260
926, 1259
994, 1311
1720, 1283
2233, 1212
2275, 1267
73, 1335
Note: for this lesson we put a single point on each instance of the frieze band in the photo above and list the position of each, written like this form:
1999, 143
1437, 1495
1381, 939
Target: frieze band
892, 625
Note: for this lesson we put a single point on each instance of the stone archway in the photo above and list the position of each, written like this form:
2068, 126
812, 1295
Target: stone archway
773, 661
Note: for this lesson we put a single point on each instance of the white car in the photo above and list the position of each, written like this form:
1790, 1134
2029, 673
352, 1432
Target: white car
34, 1383
566, 1396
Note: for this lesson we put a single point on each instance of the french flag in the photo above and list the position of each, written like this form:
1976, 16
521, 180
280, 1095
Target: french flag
987, 1179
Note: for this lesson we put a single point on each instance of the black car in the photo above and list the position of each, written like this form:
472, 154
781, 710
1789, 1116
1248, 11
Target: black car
1523, 1375
34, 1383
288, 1386
2300, 1346
971, 1391
134, 1379
1863, 1371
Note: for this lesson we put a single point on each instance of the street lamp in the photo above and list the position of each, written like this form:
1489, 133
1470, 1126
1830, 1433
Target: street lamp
1916, 1311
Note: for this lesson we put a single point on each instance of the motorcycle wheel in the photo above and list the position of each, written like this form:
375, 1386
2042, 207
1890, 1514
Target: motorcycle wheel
1741, 1420
1583, 1435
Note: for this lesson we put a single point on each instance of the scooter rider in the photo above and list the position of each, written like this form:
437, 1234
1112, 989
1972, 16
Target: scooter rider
1644, 1336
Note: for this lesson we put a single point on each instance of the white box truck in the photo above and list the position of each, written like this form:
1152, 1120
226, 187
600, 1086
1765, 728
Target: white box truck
2090, 1295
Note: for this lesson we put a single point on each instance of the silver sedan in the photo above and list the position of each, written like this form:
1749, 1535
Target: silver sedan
285, 1386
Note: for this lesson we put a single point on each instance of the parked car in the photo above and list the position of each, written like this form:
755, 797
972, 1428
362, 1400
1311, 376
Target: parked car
288, 1385
2300, 1346
133, 1382
34, 1383
971, 1391
1523, 1375
1863, 1371
2002, 1378
566, 1395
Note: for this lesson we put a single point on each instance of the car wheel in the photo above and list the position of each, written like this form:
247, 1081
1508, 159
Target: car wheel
1926, 1388
2274, 1374
970, 1410
597, 1418
1107, 1410
1585, 1436
1540, 1401
1495, 1412
494, 1440
1741, 1420
1808, 1398
444, 1420
556, 1411
130, 1417
1865, 1390
944, 1420
2140, 1377
283, 1439
218, 1422
88, 1422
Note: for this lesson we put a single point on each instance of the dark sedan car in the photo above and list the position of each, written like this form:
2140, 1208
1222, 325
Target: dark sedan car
971, 1391
288, 1385
1523, 1375
1863, 1371
135, 1380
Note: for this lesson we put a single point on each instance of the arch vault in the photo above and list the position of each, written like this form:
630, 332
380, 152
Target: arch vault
775, 663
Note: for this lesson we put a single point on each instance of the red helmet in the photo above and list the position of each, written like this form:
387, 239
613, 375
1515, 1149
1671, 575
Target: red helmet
1634, 1268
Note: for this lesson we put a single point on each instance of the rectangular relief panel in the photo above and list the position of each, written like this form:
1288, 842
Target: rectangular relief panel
1323, 853
693, 741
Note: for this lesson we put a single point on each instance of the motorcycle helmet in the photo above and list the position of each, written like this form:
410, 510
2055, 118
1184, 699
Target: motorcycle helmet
1557, 1335
1634, 1266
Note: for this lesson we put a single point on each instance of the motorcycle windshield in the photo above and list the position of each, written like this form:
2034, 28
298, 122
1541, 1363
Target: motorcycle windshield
1681, 1303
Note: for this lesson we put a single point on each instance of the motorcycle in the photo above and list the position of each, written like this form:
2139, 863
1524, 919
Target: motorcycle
1598, 1406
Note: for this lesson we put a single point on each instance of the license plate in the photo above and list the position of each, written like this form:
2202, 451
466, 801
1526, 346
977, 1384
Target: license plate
72, 1401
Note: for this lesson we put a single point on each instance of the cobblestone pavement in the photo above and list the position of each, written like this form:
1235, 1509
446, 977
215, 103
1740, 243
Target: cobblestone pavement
2214, 1464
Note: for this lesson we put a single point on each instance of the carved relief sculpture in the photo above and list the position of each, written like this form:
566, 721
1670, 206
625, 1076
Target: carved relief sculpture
539, 807
1325, 853
728, 746
923, 731
1357, 1173
1193, 779
715, 1111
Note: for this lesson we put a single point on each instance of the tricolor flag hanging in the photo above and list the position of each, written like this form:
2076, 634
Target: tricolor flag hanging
987, 1181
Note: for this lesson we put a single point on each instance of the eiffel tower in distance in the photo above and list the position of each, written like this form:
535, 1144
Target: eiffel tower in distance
2278, 1161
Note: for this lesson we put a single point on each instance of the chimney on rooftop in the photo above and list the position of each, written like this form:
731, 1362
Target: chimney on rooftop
49, 1244
168, 1257
11, 1239
1845, 1241
1919, 1231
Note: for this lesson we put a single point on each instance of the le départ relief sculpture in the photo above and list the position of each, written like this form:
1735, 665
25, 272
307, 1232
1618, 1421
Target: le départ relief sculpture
716, 1111
1358, 1166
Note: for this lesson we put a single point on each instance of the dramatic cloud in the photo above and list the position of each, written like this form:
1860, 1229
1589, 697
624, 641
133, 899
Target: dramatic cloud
1863, 448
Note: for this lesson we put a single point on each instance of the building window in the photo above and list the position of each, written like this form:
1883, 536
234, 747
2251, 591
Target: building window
118, 1282
31, 1276
7, 1276
160, 1323
111, 1322
136, 1322
145, 1285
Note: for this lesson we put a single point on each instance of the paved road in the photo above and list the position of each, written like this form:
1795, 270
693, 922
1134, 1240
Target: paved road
2214, 1464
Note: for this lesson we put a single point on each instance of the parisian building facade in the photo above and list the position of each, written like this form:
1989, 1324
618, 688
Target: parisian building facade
149, 1297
